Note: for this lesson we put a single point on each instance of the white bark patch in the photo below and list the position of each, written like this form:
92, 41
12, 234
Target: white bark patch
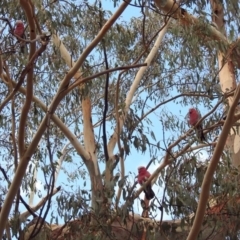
236, 146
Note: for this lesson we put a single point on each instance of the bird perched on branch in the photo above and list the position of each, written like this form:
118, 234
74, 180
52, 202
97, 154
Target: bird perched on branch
19, 31
143, 176
193, 117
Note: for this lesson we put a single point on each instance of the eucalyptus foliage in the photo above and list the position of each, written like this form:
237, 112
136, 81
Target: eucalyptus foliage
184, 73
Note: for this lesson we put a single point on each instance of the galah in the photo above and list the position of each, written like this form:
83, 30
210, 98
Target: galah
19, 31
143, 176
193, 117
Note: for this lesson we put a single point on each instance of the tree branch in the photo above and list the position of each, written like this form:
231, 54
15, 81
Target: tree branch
173, 10
133, 88
81, 80
65, 130
26, 107
23, 216
25, 71
211, 168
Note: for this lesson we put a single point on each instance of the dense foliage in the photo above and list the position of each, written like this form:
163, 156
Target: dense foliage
183, 74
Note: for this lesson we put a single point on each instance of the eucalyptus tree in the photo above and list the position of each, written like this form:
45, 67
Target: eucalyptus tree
90, 90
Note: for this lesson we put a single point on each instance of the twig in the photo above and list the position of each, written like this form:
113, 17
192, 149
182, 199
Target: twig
84, 80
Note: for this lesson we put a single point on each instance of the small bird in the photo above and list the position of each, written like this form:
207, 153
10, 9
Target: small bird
193, 117
19, 31
143, 176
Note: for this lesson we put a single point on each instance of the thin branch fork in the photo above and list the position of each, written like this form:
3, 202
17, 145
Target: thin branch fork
23, 216
25, 71
84, 80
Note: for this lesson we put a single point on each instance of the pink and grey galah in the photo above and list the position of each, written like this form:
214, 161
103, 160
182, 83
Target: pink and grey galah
193, 117
143, 176
19, 31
